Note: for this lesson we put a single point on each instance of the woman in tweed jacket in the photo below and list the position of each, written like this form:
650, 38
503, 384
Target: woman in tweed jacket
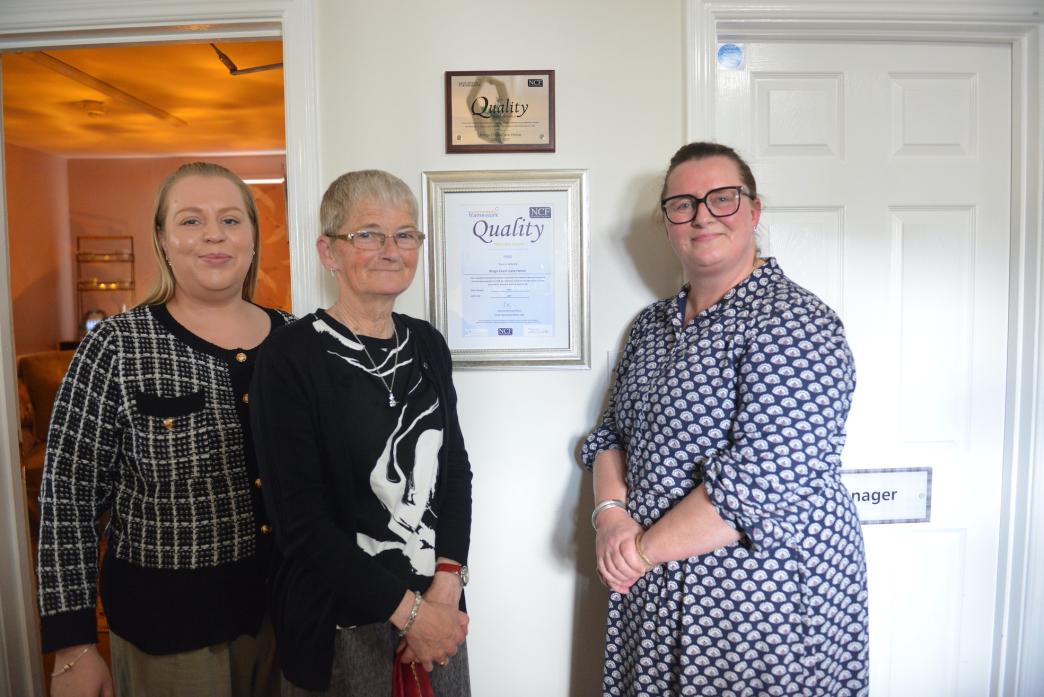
151, 425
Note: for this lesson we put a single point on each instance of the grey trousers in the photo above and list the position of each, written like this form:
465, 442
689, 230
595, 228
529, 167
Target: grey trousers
244, 667
362, 667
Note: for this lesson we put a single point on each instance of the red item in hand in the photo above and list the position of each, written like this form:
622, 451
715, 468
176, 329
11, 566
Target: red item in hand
410, 679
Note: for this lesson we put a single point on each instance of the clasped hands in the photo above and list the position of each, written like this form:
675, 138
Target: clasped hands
439, 628
618, 558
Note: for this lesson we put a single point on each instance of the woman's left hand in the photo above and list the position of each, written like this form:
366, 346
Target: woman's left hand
445, 589
437, 632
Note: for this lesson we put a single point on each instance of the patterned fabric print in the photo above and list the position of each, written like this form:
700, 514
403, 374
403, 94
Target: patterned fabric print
179, 495
394, 515
750, 398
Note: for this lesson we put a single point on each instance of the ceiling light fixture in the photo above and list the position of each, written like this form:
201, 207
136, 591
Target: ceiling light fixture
233, 69
278, 180
93, 107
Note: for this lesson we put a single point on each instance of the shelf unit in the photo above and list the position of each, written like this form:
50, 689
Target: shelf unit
104, 273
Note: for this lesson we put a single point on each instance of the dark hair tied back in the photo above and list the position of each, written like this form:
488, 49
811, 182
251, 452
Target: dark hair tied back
703, 150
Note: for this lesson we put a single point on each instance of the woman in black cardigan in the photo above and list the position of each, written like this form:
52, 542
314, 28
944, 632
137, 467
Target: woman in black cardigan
367, 481
151, 424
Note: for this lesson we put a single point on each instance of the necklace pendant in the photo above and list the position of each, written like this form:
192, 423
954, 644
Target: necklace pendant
391, 400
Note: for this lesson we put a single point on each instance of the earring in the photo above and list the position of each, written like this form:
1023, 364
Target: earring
333, 273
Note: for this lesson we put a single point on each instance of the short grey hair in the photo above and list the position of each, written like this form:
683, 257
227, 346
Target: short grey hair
352, 188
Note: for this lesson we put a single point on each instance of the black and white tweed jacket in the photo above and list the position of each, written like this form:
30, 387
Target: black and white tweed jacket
144, 426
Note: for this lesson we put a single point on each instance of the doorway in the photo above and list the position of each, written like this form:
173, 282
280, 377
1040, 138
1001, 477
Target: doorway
89, 134
60, 24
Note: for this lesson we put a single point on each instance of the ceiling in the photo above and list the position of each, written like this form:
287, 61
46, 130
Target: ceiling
208, 110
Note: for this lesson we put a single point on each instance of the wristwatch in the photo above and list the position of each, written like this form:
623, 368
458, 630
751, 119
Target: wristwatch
459, 570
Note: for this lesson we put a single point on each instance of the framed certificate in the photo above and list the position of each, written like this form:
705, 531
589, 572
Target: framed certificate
507, 266
500, 111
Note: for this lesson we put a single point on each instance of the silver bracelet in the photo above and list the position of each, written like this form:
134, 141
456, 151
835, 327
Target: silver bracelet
602, 505
413, 614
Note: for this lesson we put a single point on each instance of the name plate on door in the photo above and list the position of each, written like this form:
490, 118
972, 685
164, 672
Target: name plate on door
901, 495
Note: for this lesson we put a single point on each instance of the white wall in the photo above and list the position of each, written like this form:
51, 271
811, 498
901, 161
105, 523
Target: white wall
537, 609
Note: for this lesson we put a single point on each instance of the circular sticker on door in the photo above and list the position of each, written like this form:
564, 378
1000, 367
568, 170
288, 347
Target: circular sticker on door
730, 56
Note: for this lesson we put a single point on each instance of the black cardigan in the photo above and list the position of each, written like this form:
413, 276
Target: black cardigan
322, 578
149, 424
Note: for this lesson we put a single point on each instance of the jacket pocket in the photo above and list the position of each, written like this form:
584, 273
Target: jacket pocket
173, 437
157, 405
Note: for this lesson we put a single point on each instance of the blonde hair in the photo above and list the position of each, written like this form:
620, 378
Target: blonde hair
351, 188
163, 290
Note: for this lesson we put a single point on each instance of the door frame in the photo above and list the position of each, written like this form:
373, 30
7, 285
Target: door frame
1019, 604
38, 24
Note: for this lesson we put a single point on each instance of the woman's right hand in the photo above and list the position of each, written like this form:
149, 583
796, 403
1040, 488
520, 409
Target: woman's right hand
616, 554
435, 634
88, 677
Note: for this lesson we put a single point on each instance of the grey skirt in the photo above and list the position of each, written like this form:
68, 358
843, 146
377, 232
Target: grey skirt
362, 667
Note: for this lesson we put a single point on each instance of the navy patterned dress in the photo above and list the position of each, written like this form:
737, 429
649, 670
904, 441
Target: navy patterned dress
750, 398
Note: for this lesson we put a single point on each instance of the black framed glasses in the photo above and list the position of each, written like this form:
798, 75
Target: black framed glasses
375, 239
720, 202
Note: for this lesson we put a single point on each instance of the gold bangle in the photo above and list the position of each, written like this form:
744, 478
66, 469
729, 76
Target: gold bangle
68, 666
638, 546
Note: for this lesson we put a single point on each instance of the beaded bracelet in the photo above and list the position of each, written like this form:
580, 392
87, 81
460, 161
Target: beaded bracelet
413, 614
602, 505
68, 666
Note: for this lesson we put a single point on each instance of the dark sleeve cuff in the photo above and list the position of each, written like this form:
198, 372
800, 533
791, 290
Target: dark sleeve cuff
457, 550
69, 629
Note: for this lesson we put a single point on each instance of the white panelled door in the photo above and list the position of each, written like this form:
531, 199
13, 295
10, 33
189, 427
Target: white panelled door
884, 169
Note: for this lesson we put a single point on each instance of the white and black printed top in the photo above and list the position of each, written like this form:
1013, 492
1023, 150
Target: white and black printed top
363, 496
750, 398
395, 448
151, 425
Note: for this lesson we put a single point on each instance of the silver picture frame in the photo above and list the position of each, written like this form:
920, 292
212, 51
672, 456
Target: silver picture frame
507, 266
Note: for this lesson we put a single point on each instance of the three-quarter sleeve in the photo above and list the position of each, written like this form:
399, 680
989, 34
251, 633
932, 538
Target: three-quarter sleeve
82, 452
795, 377
607, 435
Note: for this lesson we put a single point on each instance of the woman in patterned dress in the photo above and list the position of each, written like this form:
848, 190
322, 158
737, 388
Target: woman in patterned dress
368, 481
151, 425
732, 549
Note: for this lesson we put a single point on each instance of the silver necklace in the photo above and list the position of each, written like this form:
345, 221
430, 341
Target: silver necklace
392, 402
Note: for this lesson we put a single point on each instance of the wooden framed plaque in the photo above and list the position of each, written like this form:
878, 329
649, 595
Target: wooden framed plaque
500, 111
